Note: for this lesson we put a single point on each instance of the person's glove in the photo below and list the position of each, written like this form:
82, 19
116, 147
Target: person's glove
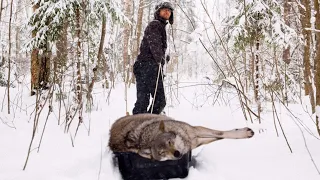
167, 58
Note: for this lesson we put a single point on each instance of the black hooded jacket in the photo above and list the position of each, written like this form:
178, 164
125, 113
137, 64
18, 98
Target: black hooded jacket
154, 43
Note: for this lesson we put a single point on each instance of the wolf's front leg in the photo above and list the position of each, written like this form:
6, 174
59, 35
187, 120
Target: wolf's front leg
206, 135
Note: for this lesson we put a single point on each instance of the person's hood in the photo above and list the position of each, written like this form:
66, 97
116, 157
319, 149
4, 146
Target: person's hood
161, 6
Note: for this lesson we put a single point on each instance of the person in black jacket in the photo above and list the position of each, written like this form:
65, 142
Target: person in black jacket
148, 66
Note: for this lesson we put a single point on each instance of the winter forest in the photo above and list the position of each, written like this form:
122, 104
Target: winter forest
58, 58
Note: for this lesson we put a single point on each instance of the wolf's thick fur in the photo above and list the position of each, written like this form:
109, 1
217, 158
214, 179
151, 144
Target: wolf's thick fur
162, 138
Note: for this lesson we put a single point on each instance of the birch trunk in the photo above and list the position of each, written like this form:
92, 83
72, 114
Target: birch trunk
78, 57
257, 79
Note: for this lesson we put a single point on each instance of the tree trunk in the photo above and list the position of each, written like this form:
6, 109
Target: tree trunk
305, 22
139, 27
138, 34
17, 39
126, 35
306, 56
62, 55
9, 57
126, 62
44, 67
286, 52
103, 35
78, 57
257, 78
101, 58
317, 62
40, 64
34, 62
1, 6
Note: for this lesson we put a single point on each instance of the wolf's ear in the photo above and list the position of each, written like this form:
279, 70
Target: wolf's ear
161, 126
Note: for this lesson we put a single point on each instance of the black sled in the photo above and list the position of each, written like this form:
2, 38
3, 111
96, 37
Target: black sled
134, 167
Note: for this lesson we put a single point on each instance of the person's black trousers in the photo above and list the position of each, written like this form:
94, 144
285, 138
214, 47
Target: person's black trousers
146, 73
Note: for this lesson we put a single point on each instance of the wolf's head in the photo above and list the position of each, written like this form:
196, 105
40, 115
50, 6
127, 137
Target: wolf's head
167, 145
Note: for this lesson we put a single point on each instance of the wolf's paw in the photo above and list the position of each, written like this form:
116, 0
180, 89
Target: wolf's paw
250, 132
245, 132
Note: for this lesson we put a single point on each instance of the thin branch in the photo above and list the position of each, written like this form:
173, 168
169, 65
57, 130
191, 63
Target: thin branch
49, 112
100, 165
38, 109
284, 135
6, 123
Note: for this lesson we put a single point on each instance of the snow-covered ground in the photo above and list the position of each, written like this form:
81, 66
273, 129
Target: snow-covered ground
263, 157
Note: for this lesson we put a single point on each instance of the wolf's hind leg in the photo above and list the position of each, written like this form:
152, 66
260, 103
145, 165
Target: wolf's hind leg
206, 135
203, 132
200, 141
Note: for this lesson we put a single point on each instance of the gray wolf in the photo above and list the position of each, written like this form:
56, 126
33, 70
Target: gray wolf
162, 138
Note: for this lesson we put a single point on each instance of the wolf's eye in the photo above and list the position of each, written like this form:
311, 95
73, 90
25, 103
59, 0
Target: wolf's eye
170, 143
161, 153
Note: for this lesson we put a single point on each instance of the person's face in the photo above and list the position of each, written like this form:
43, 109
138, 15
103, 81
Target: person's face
165, 13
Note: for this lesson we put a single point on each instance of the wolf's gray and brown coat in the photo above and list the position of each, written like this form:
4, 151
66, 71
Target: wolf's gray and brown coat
162, 138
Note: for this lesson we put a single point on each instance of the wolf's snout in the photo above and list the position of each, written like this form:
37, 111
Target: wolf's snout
176, 154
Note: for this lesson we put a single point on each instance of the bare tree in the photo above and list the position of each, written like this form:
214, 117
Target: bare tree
61, 59
18, 59
286, 14
136, 46
138, 29
1, 5
305, 21
126, 36
78, 57
9, 57
102, 62
126, 61
34, 61
317, 60
257, 75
